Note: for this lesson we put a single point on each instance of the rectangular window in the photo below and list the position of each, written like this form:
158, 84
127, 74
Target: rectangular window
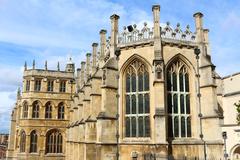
37, 86
63, 86
50, 86
27, 85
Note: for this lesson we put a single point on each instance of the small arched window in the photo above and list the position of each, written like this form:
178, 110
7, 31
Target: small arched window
61, 109
54, 142
178, 101
25, 110
137, 107
33, 142
22, 141
48, 110
35, 110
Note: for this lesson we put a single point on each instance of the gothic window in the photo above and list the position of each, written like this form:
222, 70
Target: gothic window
62, 86
50, 85
27, 85
61, 111
48, 110
37, 86
178, 100
54, 142
35, 110
137, 107
33, 141
25, 110
22, 141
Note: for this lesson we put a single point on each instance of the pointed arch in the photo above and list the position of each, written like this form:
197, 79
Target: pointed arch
24, 109
33, 141
54, 141
61, 110
48, 110
136, 95
178, 97
36, 109
22, 141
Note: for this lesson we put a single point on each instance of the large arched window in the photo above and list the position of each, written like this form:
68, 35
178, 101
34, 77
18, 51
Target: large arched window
137, 107
48, 110
54, 142
35, 110
25, 110
178, 100
22, 141
33, 141
61, 111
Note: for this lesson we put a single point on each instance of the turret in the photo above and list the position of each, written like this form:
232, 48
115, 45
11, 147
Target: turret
70, 66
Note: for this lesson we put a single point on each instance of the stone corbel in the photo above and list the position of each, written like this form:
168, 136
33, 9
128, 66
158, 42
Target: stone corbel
159, 112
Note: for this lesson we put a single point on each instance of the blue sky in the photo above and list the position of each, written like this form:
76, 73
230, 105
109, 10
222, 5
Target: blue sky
54, 30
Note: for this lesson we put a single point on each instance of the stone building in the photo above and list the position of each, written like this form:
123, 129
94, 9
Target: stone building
150, 93
142, 94
231, 95
41, 114
3, 145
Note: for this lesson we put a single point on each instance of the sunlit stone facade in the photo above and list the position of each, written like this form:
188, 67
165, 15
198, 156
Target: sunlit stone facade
142, 94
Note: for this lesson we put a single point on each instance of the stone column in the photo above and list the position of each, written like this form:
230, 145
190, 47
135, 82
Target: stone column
102, 44
78, 78
88, 56
82, 74
94, 57
114, 32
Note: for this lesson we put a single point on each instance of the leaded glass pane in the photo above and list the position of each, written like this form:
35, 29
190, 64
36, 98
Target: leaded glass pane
140, 103
134, 127
176, 127
140, 126
140, 82
175, 103
187, 104
127, 104
189, 127
169, 101
127, 83
147, 127
170, 129
174, 76
182, 107
133, 83
181, 81
146, 98
169, 84
127, 127
146, 81
183, 131
134, 104
186, 83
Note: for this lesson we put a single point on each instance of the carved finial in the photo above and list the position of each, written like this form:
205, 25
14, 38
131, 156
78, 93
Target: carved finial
145, 24
134, 26
25, 66
178, 24
168, 23
58, 66
124, 28
33, 65
45, 65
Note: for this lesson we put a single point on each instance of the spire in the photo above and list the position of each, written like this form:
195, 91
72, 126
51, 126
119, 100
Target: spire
33, 65
25, 66
18, 93
58, 66
46, 65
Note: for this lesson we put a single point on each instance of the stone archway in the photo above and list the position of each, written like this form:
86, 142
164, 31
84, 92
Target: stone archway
236, 153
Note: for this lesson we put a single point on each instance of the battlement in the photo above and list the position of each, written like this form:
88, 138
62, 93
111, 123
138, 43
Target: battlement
47, 73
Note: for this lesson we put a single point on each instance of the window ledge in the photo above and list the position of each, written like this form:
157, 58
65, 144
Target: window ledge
136, 140
54, 155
